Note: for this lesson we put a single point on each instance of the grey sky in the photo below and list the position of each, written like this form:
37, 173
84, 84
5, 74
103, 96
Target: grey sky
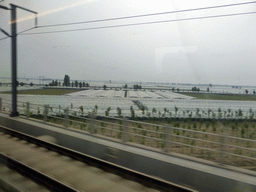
218, 51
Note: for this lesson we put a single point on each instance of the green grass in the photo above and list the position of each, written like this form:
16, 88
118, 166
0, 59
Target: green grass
222, 97
45, 92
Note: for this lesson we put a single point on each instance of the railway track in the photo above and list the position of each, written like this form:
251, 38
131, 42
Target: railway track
61, 169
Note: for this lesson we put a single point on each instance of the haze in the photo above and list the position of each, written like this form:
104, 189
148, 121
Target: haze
217, 51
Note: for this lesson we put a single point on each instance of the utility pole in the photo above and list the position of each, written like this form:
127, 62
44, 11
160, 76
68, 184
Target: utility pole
13, 35
14, 60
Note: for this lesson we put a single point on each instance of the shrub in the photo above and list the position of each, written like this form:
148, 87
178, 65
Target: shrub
119, 135
246, 126
177, 124
233, 127
194, 125
242, 132
214, 129
38, 110
102, 127
240, 113
192, 142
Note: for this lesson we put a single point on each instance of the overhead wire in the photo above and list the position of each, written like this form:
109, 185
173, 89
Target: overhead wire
26, 30
146, 15
4, 38
143, 23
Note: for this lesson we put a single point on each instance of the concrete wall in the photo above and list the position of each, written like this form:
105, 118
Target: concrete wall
200, 175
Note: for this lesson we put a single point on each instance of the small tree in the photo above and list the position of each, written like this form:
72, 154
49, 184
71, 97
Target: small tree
119, 112
31, 84
76, 83
176, 110
66, 80
143, 110
153, 111
107, 111
132, 112
197, 112
104, 87
240, 113
81, 109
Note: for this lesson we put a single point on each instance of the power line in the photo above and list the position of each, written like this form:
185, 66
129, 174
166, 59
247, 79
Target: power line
4, 38
146, 15
144, 23
26, 30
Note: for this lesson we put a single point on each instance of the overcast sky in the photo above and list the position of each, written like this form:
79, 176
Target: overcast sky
217, 51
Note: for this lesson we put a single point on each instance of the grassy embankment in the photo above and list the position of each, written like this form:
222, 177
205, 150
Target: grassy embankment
45, 92
222, 96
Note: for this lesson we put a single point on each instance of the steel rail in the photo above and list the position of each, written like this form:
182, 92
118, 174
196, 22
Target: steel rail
144, 179
35, 175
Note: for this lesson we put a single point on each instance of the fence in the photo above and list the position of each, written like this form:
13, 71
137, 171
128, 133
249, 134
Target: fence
218, 147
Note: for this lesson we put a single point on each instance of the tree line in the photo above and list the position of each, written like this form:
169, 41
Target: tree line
68, 83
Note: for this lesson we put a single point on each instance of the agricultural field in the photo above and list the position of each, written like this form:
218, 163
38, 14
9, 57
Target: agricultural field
195, 127
45, 92
237, 97
194, 137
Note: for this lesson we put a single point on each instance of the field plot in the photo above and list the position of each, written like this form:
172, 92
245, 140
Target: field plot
132, 94
241, 97
9, 88
155, 95
154, 104
98, 94
171, 95
200, 108
142, 94
78, 104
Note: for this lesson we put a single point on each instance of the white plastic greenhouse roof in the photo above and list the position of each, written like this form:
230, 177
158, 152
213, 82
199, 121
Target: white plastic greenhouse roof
132, 94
